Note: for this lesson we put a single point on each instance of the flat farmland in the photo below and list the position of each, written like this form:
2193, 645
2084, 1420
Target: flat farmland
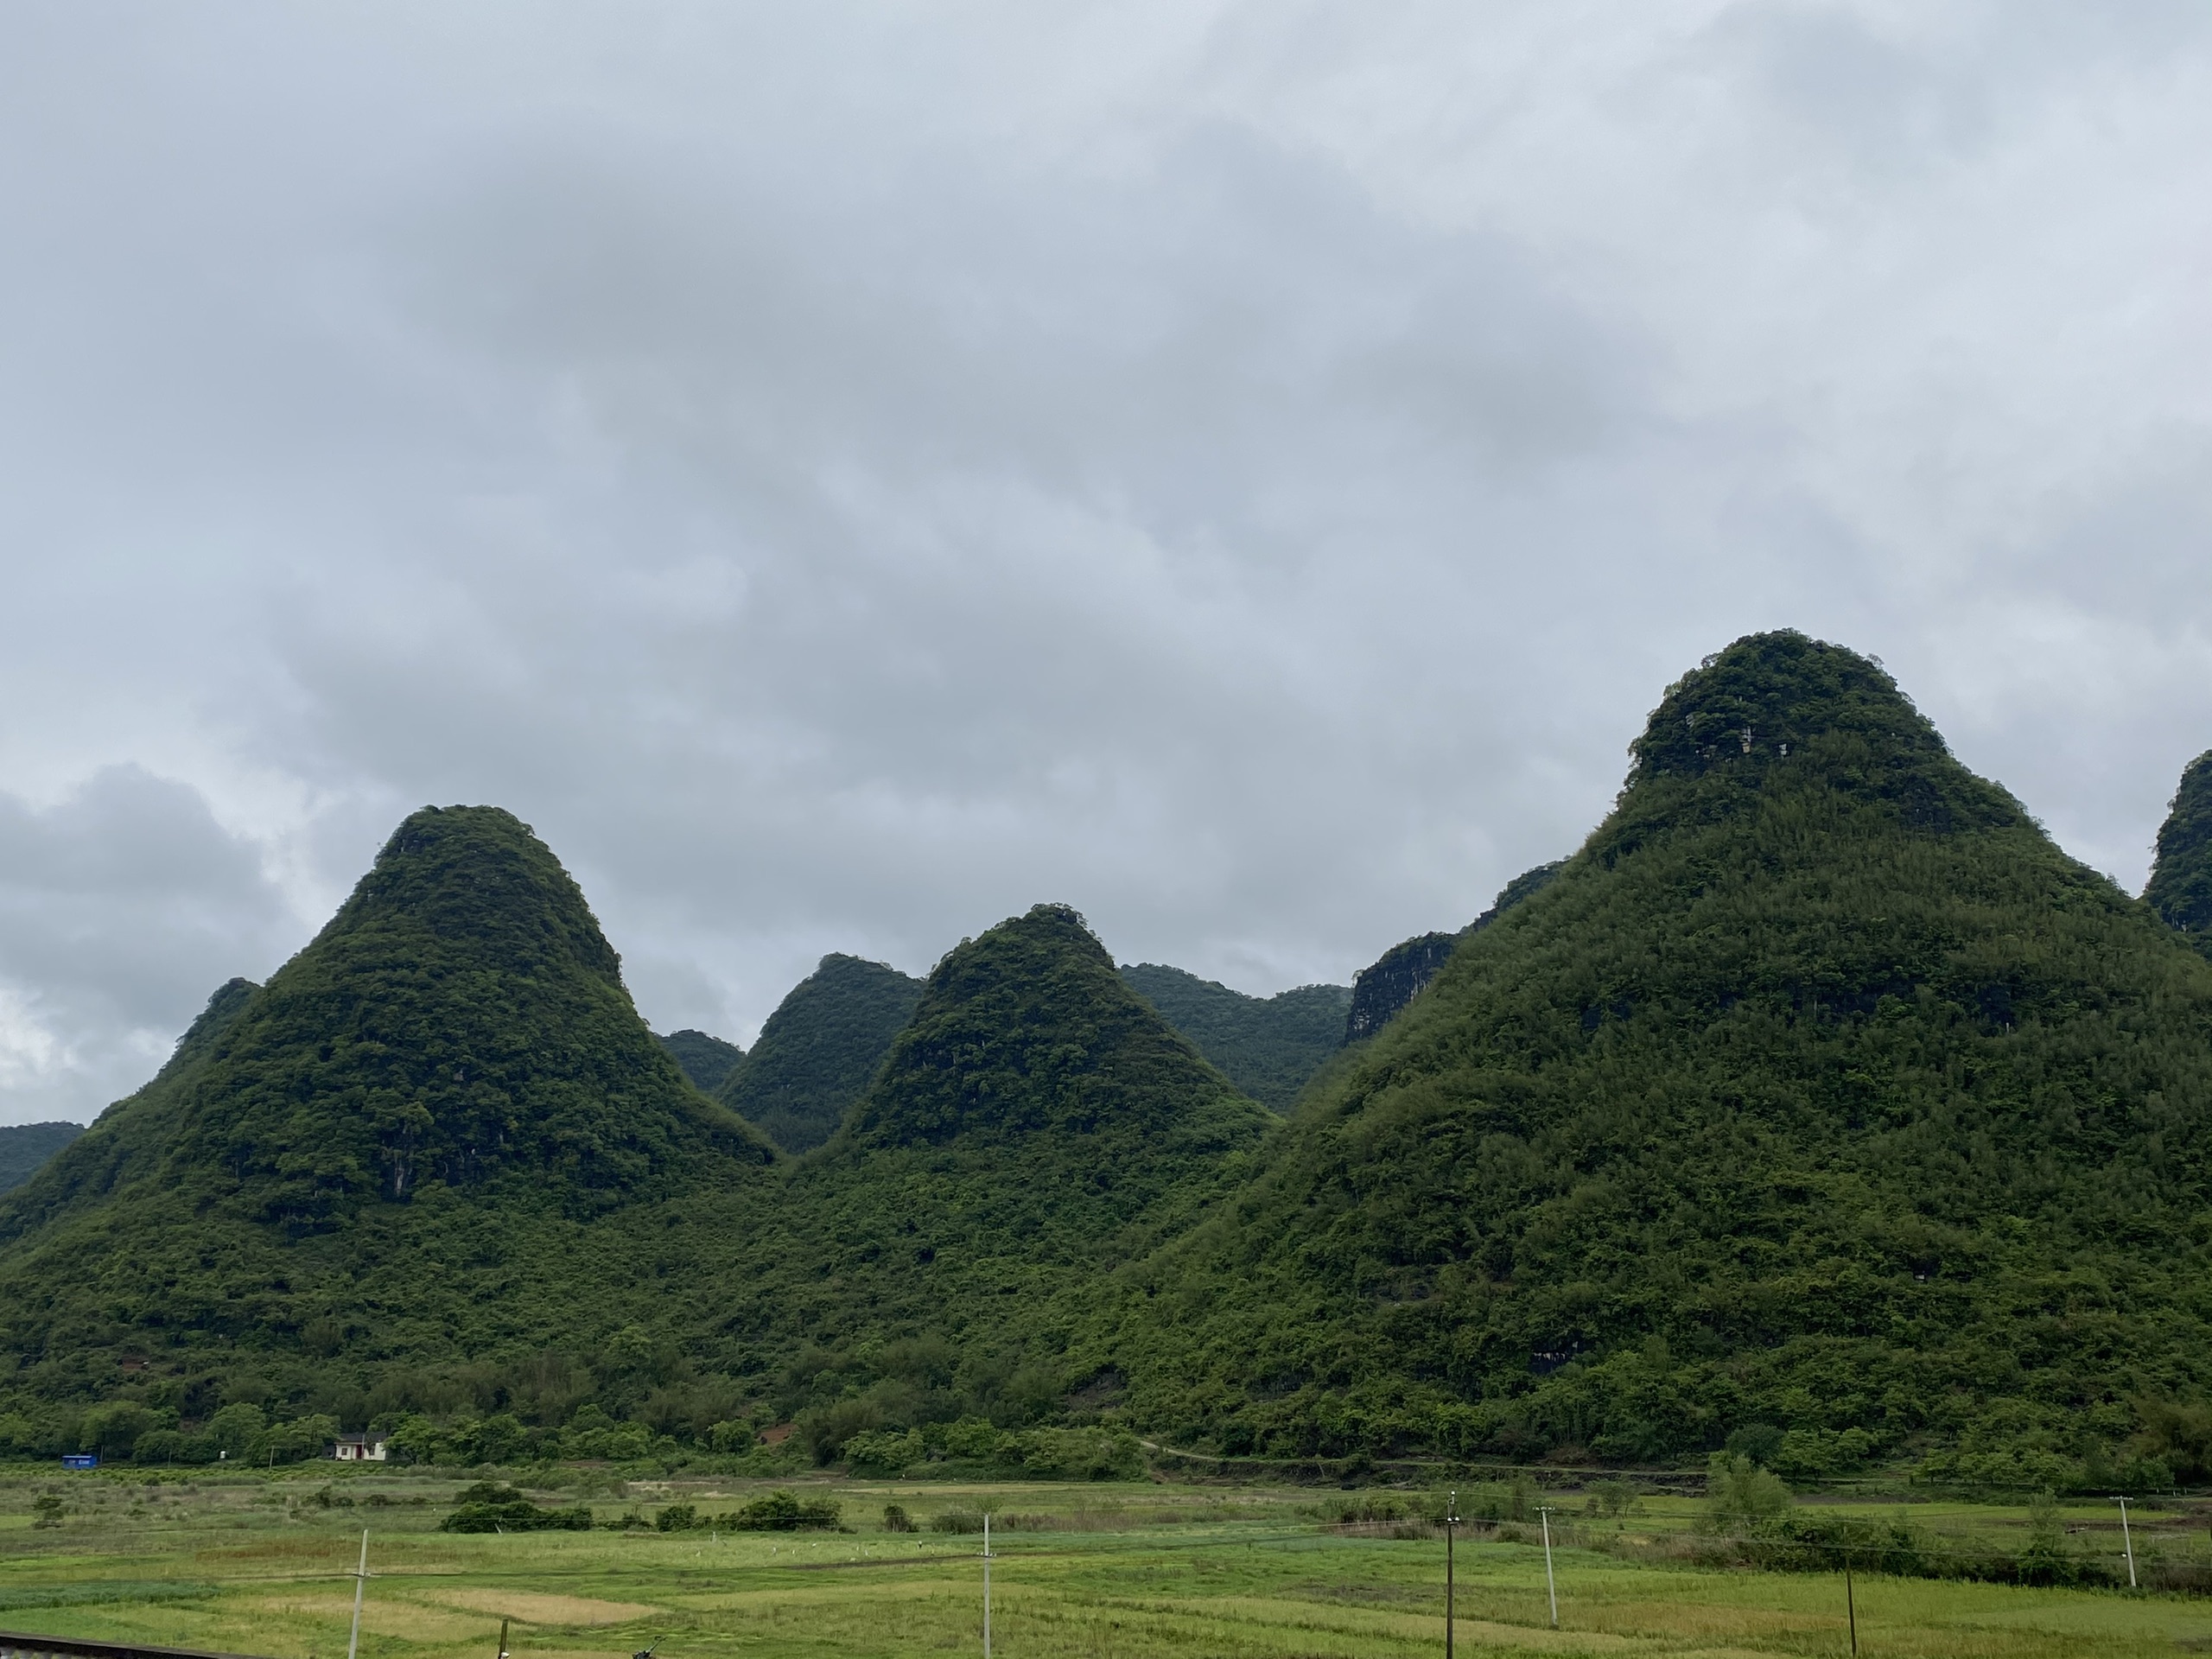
258, 1564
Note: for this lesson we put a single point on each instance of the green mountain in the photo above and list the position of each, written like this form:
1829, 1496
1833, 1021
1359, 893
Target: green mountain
818, 1050
1268, 1046
1035, 1124
2181, 879
707, 1061
1382, 991
439, 1133
25, 1148
1819, 1101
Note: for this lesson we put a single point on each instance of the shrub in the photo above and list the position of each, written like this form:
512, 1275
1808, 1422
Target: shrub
782, 1512
896, 1519
677, 1517
489, 1507
1741, 1499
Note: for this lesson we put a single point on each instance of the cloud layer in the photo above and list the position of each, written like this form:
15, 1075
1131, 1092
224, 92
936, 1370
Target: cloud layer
846, 474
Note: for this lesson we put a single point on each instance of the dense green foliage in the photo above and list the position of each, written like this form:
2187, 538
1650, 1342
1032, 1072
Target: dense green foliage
1266, 1045
1819, 1092
783, 1512
26, 1147
819, 1049
440, 1129
1035, 1124
1819, 1109
487, 1507
707, 1061
2181, 879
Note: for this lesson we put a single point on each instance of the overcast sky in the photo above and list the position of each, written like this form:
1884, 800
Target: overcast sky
845, 474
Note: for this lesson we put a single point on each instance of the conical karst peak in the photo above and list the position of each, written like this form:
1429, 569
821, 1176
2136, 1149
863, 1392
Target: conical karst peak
1027, 1028
1785, 705
819, 1049
480, 874
460, 1021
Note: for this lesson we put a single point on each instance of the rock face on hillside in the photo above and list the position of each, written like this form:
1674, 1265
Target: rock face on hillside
819, 1049
1383, 991
2181, 880
1266, 1045
1820, 1091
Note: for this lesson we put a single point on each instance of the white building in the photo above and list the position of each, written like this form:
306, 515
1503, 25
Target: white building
359, 1448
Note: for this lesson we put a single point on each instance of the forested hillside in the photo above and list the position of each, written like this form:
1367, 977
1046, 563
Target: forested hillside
1818, 1106
25, 1148
707, 1061
435, 1133
1035, 1125
1819, 1101
818, 1050
1266, 1045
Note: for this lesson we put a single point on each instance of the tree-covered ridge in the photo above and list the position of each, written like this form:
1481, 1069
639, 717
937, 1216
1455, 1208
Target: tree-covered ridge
1820, 1091
1268, 1046
26, 1147
1030, 1030
707, 1061
818, 1050
1036, 1123
2181, 879
419, 1139
460, 1019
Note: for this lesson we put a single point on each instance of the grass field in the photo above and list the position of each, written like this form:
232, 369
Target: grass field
261, 1566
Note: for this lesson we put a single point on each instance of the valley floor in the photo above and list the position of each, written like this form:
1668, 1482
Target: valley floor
257, 1565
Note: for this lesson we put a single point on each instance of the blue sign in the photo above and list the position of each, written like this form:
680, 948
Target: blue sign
80, 1460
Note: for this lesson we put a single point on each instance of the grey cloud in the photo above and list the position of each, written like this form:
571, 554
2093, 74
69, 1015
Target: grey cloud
847, 474
121, 908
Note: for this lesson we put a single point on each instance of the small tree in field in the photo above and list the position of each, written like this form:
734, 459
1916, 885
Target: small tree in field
1741, 1499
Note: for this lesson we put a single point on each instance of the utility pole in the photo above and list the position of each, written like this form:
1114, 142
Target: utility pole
502, 1639
2127, 1540
1451, 1520
1551, 1585
1850, 1605
987, 1585
360, 1583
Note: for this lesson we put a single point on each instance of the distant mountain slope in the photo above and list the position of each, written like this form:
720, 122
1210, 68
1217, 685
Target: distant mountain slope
422, 1140
1268, 1046
25, 1147
818, 1050
1382, 991
1036, 1123
707, 1061
2181, 879
1819, 1092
